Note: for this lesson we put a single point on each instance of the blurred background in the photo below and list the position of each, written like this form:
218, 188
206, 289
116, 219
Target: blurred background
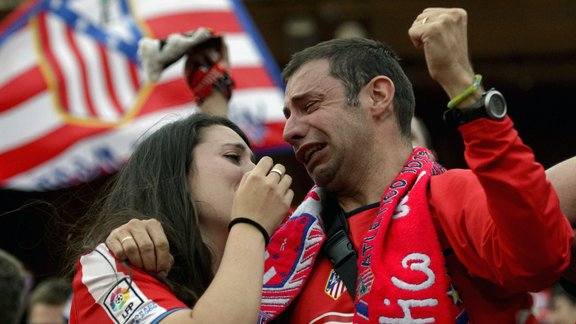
526, 49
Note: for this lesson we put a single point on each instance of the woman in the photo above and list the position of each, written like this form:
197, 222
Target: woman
197, 177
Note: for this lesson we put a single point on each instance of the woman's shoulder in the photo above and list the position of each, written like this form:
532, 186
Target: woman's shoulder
105, 287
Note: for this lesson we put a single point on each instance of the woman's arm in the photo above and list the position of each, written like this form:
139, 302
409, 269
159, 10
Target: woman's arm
563, 179
234, 294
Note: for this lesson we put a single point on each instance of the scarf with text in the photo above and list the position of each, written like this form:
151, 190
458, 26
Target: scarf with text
402, 276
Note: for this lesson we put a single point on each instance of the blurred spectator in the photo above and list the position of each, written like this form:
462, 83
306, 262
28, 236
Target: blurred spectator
420, 133
48, 302
12, 288
562, 307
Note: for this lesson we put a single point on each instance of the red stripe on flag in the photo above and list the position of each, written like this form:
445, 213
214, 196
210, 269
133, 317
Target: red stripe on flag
44, 149
83, 72
167, 94
108, 80
219, 21
251, 77
23, 87
52, 62
133, 71
176, 92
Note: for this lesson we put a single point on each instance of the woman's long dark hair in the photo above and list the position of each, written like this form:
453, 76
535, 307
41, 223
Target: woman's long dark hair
154, 184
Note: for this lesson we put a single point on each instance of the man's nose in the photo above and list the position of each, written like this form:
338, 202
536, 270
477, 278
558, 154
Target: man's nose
294, 130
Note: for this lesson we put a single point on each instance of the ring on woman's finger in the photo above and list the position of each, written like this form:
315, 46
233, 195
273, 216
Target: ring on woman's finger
424, 20
278, 172
126, 238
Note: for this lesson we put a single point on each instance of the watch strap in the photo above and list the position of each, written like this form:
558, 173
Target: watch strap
456, 117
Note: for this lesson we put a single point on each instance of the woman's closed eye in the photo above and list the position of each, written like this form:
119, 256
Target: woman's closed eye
233, 157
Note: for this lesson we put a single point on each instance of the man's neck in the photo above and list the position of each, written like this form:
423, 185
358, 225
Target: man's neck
369, 187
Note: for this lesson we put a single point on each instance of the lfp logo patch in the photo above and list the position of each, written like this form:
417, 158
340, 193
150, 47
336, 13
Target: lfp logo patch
122, 301
118, 298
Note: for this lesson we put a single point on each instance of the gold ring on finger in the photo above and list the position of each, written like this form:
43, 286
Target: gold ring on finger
126, 238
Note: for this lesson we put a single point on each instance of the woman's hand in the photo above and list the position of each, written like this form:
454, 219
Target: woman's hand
264, 195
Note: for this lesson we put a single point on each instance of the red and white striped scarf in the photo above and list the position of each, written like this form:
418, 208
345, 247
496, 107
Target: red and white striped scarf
402, 276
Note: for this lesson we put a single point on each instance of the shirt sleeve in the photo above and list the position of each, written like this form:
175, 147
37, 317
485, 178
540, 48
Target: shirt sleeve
108, 291
502, 218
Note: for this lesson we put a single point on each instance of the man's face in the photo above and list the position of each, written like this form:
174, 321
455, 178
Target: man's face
325, 133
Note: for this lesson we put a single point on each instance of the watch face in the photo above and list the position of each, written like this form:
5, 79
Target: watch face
496, 105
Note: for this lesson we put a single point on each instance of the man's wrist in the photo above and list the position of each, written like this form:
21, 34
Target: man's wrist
468, 93
215, 104
471, 99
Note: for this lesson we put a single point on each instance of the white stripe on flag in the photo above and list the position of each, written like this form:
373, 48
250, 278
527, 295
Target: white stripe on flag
40, 119
125, 89
81, 156
148, 9
243, 51
72, 76
90, 9
98, 93
16, 62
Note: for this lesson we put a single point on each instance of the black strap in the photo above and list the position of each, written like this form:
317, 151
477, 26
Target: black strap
338, 246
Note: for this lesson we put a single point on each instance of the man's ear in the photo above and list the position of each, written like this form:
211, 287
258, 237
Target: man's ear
380, 95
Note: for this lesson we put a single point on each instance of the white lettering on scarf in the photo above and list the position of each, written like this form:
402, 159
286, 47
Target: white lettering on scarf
415, 262
406, 305
422, 266
402, 209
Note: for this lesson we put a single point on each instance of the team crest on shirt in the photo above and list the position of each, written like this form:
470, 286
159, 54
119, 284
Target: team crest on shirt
334, 286
122, 301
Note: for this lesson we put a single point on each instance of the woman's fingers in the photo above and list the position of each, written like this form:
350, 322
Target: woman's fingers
144, 244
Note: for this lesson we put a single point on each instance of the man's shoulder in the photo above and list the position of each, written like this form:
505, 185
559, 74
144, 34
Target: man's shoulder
453, 176
453, 185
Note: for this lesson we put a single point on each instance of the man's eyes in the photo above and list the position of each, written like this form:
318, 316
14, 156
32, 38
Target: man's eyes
310, 105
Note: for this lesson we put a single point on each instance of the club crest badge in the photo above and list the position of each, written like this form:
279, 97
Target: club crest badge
334, 286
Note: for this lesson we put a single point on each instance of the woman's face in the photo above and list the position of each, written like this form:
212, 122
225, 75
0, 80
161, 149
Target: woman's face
220, 161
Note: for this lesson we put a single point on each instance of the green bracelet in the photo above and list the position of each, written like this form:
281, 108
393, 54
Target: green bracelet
466, 93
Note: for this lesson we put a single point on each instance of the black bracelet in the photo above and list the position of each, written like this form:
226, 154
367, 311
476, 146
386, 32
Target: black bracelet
253, 223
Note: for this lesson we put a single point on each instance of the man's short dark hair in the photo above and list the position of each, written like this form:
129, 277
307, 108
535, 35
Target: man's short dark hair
12, 288
52, 291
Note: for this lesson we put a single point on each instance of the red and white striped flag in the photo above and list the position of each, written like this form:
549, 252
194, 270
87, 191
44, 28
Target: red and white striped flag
73, 101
